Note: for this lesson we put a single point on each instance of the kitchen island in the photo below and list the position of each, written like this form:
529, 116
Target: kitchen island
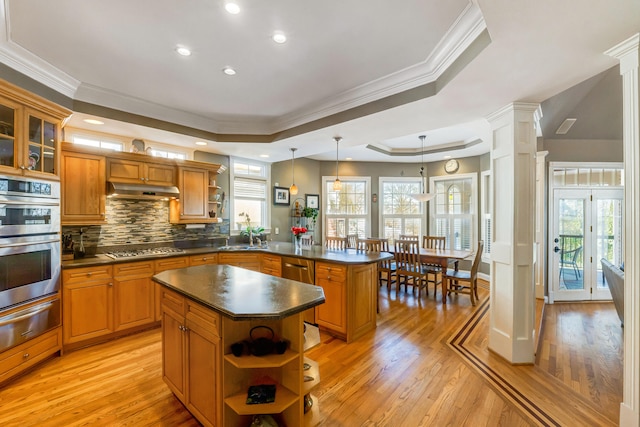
205, 310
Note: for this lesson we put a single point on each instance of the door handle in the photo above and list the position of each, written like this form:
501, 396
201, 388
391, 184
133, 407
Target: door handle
556, 249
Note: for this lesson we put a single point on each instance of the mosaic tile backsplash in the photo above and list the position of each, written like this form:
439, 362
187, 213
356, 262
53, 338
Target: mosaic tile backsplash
138, 222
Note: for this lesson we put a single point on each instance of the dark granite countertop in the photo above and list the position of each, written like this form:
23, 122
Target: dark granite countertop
315, 253
242, 294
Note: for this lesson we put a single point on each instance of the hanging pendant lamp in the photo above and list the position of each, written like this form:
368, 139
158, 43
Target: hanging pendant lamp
423, 196
294, 188
337, 185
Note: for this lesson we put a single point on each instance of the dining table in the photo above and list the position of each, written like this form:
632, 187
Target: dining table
441, 257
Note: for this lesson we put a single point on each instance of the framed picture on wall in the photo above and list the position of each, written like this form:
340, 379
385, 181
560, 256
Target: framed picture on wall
281, 196
312, 201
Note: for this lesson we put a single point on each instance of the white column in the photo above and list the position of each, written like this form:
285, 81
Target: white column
628, 53
513, 208
541, 180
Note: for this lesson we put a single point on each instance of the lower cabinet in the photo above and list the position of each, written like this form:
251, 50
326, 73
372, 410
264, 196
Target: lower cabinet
191, 356
19, 358
161, 265
133, 294
203, 259
248, 260
271, 265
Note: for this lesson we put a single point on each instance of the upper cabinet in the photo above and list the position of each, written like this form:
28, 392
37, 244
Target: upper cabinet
30, 133
198, 201
140, 172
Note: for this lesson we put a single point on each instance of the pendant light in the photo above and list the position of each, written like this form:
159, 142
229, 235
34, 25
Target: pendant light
422, 196
337, 185
294, 188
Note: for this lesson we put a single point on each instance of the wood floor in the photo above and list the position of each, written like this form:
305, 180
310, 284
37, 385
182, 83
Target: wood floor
425, 365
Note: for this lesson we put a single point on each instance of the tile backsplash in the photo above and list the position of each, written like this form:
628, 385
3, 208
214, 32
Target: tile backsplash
141, 222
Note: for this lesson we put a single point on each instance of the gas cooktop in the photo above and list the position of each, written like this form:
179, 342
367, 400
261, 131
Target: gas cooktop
132, 253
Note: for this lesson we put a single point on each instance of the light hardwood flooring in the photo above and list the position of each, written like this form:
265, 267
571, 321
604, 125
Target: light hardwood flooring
425, 365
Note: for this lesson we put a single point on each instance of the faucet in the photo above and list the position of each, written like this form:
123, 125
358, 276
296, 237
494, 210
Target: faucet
226, 242
258, 242
250, 237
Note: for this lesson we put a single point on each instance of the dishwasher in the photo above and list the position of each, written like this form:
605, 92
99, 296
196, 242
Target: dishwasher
301, 270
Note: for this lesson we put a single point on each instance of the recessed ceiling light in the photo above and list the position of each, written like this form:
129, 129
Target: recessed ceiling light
93, 121
446, 157
232, 8
348, 158
279, 37
184, 51
264, 156
201, 143
229, 71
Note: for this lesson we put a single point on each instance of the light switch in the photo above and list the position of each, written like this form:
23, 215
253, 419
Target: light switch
277, 230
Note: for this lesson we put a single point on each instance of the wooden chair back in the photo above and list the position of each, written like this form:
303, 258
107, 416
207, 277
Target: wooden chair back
338, 243
369, 245
306, 240
407, 237
407, 256
352, 241
434, 242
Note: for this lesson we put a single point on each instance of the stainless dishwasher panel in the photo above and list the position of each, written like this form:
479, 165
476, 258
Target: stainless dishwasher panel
22, 325
301, 270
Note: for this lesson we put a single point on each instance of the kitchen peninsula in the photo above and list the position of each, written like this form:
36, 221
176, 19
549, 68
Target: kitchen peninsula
205, 311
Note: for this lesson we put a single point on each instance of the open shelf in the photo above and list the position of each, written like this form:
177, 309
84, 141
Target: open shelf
314, 372
284, 399
268, 361
312, 418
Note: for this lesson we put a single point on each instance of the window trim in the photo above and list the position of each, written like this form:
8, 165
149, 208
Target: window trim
381, 216
325, 216
266, 178
474, 198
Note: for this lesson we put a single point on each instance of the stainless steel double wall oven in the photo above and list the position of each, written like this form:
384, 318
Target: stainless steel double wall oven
30, 261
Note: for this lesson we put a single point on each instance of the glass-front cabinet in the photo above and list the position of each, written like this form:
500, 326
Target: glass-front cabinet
30, 133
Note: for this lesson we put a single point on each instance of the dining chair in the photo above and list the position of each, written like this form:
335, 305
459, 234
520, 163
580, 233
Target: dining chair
352, 241
464, 282
306, 241
407, 237
386, 268
433, 271
333, 242
409, 269
372, 246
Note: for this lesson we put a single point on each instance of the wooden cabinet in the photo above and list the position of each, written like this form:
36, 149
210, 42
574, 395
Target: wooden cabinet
203, 259
248, 260
163, 265
134, 297
332, 314
87, 301
350, 291
198, 201
140, 172
272, 265
83, 190
191, 356
30, 133
29, 353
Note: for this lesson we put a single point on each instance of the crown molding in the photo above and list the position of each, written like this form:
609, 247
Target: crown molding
440, 148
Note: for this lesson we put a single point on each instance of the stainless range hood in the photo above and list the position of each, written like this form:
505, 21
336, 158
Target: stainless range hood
142, 191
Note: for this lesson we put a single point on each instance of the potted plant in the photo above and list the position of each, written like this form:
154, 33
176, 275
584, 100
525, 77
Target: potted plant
311, 214
248, 229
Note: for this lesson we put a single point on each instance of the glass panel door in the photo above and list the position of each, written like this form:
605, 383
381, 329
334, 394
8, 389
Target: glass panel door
570, 280
608, 236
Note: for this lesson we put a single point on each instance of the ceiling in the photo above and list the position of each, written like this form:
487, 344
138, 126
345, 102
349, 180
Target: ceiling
377, 74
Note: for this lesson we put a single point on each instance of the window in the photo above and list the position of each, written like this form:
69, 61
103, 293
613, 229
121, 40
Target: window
97, 142
250, 194
453, 210
485, 193
168, 154
399, 212
347, 211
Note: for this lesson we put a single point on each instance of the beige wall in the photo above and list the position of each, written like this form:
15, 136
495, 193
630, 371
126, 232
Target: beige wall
592, 150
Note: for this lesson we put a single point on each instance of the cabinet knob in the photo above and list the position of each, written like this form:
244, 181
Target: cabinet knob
25, 356
89, 274
110, 283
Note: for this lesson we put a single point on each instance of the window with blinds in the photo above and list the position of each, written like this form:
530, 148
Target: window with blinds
399, 212
250, 195
453, 210
347, 211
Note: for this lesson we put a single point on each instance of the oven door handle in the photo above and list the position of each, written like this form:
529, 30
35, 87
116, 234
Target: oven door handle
26, 315
36, 242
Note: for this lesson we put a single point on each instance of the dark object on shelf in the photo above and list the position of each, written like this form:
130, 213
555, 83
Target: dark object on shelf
281, 346
261, 346
237, 349
263, 421
264, 393
308, 403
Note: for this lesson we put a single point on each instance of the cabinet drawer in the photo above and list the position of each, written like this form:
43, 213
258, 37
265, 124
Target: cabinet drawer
31, 352
332, 272
144, 268
203, 259
81, 275
172, 300
203, 317
171, 263
272, 264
